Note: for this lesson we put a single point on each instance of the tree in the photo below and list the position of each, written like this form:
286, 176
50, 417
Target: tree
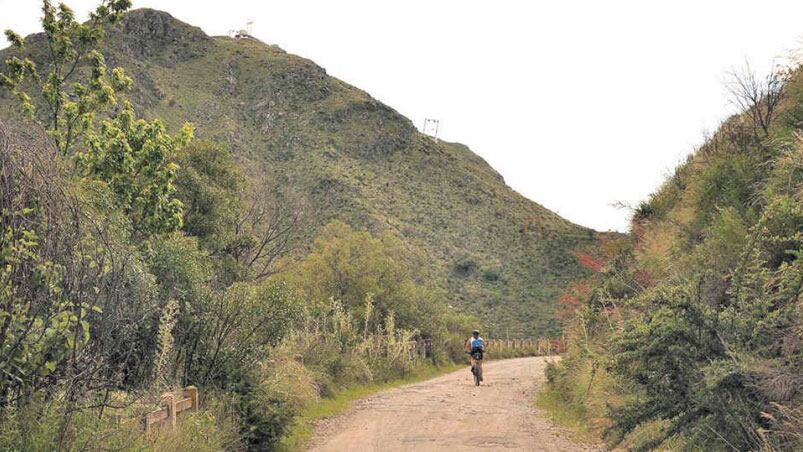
758, 97
75, 297
266, 232
70, 105
250, 233
210, 184
350, 266
135, 157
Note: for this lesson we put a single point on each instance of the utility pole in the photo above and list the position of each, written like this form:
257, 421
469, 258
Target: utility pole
431, 127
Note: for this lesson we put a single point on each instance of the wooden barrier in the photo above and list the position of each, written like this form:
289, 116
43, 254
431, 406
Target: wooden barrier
421, 348
535, 346
170, 407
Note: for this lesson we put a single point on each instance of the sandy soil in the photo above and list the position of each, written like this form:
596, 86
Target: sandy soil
450, 413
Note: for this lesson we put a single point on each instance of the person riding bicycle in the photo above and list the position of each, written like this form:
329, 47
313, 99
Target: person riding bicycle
475, 346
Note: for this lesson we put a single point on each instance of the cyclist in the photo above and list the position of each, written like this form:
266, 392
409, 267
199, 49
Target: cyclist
475, 347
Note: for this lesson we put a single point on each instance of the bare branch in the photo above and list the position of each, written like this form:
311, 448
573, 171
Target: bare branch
758, 97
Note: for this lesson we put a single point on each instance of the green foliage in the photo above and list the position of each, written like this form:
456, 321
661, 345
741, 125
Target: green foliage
727, 181
348, 266
70, 105
33, 340
243, 323
264, 415
704, 348
210, 184
135, 158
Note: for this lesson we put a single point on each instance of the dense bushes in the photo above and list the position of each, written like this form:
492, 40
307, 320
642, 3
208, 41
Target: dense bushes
166, 317
690, 337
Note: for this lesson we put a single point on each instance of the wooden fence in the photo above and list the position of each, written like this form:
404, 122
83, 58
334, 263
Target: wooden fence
533, 346
170, 407
422, 348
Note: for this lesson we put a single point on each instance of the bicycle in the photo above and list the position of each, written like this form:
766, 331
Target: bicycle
476, 367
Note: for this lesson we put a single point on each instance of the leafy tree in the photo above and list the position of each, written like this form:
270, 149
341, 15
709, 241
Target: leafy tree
240, 325
350, 265
69, 104
210, 184
65, 236
250, 230
135, 157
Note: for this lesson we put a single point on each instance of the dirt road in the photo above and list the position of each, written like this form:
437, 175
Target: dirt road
449, 413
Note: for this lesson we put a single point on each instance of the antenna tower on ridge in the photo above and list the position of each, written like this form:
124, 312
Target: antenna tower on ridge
431, 127
247, 32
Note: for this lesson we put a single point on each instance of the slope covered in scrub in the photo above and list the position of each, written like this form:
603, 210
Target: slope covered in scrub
690, 334
301, 133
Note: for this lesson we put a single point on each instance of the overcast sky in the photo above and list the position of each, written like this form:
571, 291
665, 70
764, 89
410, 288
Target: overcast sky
578, 104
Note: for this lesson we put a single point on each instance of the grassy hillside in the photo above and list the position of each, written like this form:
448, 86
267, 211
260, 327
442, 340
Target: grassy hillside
301, 133
690, 335
136, 259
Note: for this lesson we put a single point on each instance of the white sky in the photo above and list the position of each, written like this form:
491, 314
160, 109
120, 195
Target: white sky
578, 104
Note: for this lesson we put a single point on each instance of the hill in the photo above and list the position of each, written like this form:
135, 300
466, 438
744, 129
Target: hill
689, 337
295, 129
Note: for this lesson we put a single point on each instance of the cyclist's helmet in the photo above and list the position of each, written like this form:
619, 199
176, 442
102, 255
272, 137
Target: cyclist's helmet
475, 333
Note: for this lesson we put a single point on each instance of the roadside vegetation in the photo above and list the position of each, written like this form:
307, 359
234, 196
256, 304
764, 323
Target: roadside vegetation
135, 261
689, 334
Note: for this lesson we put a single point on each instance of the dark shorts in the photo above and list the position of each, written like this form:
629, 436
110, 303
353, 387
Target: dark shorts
477, 353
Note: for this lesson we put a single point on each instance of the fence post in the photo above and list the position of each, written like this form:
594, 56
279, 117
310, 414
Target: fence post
169, 401
191, 392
